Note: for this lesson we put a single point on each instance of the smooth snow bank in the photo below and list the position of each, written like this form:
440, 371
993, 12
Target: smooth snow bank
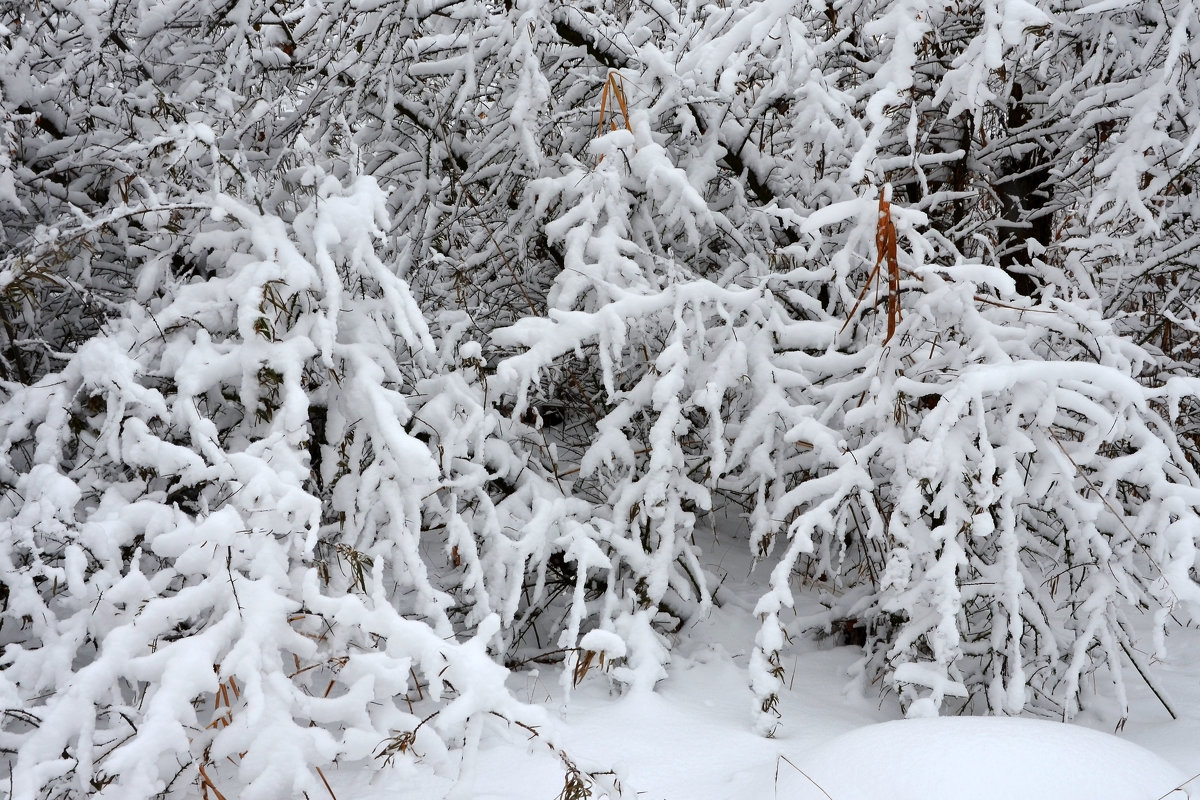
980, 758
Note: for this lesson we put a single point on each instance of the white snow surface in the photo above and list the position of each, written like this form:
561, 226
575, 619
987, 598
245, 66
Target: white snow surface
982, 758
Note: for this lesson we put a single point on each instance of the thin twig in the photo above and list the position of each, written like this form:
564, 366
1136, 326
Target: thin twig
1146, 677
328, 788
802, 772
1179, 787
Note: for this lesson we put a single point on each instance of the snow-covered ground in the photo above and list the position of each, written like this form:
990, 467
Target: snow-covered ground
692, 738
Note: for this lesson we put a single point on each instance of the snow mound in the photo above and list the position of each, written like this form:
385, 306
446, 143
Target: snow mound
980, 758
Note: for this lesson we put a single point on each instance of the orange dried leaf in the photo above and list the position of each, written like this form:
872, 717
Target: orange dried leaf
581, 667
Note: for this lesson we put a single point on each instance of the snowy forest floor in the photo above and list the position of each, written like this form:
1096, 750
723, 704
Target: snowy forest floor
692, 738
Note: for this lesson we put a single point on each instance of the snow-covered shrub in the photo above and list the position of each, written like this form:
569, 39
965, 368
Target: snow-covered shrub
997, 487
991, 492
1026, 503
216, 521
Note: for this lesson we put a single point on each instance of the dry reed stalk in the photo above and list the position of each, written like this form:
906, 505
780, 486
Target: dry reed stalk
614, 85
222, 700
206, 784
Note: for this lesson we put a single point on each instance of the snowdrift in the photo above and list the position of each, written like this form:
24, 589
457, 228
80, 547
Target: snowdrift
981, 758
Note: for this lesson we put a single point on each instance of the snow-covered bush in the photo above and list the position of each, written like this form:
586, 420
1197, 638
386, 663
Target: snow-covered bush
1025, 502
990, 492
214, 516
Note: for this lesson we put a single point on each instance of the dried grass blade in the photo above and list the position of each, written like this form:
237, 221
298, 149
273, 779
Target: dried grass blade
581, 667
619, 92
886, 250
603, 107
